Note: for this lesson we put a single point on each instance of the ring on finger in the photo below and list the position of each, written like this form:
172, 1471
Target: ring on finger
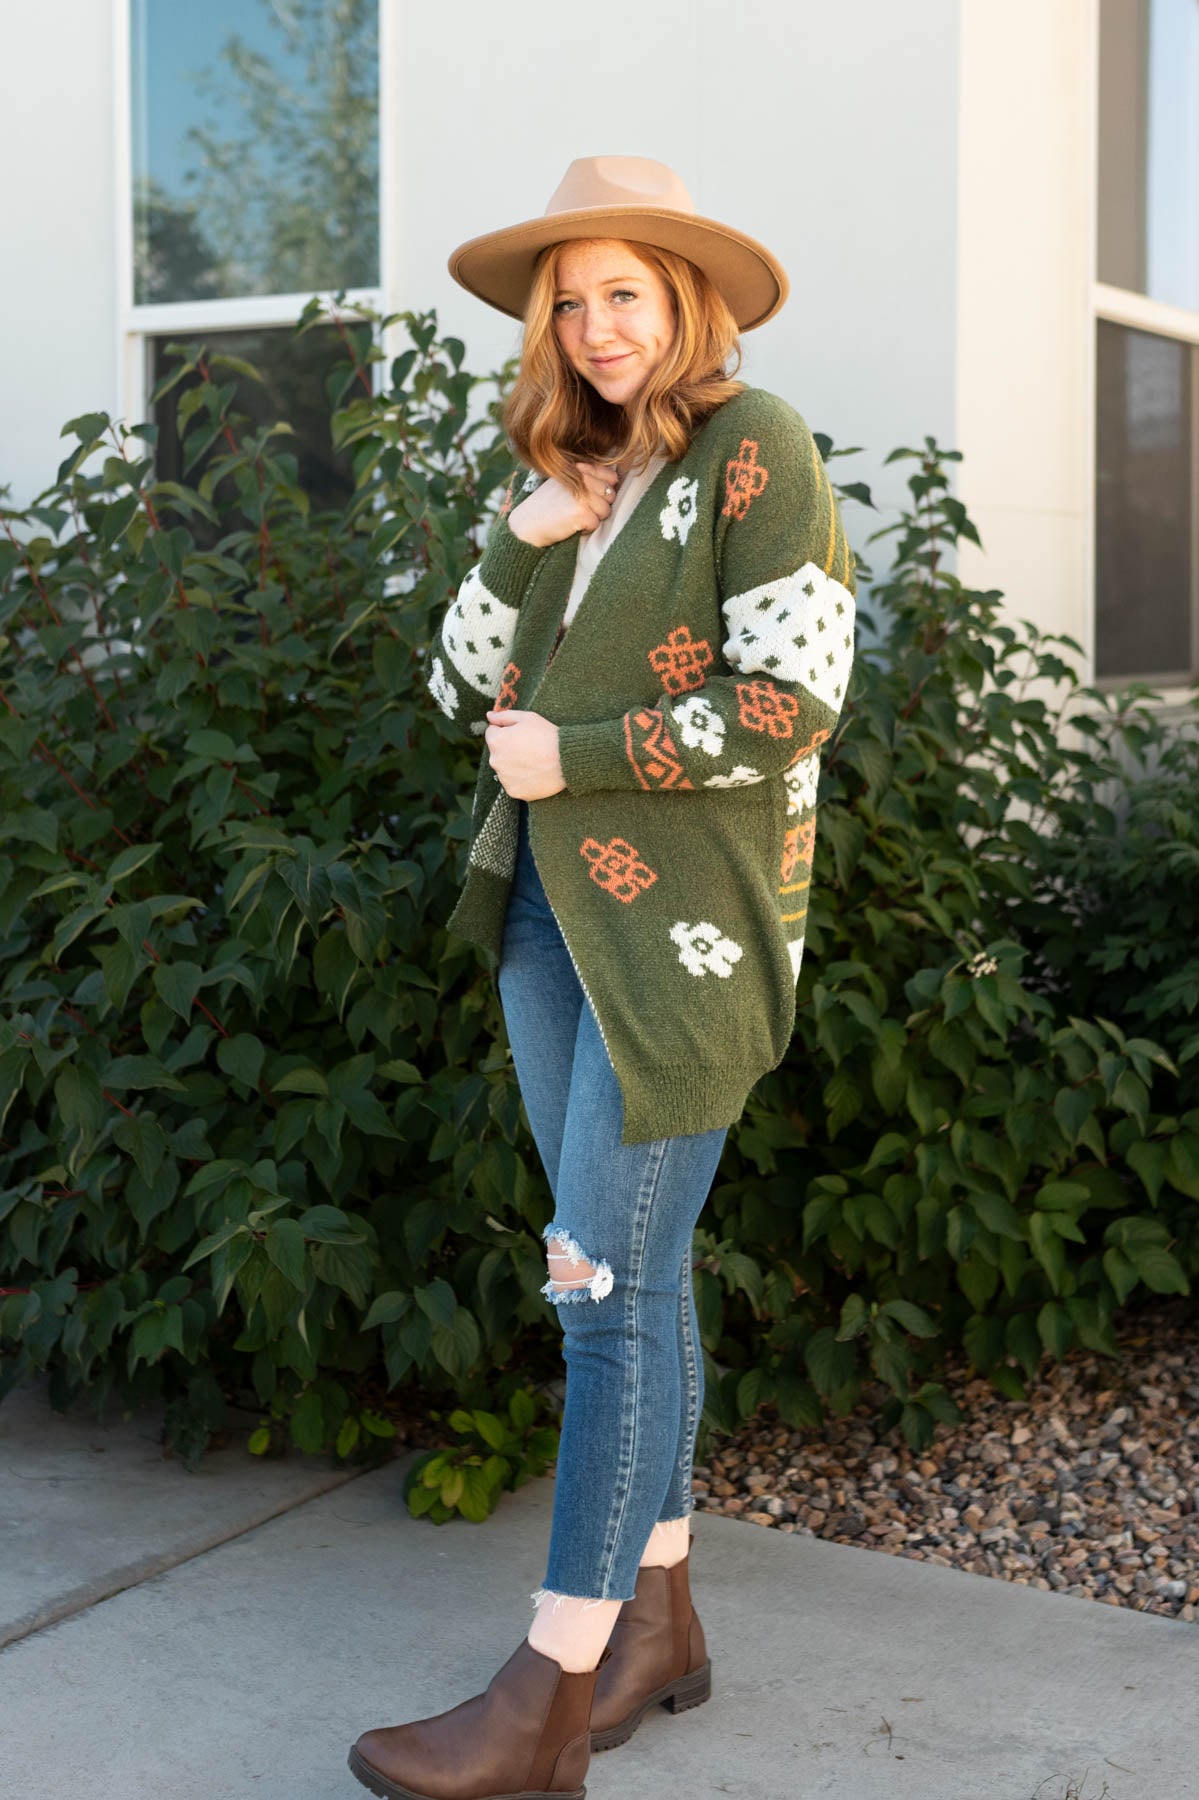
607, 493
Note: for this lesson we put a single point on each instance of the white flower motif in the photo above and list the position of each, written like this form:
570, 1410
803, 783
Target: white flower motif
531, 481
703, 947
741, 776
801, 781
678, 515
443, 689
700, 725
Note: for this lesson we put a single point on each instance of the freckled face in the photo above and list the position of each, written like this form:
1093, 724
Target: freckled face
613, 316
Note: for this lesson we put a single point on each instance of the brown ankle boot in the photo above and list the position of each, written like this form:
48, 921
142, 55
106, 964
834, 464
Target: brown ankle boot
658, 1658
526, 1737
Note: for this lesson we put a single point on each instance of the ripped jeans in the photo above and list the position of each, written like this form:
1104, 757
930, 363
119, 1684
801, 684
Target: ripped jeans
624, 1214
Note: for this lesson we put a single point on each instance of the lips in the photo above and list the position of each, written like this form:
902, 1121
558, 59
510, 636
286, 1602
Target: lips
605, 362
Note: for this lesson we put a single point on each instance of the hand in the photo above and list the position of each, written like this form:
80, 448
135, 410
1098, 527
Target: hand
523, 747
552, 512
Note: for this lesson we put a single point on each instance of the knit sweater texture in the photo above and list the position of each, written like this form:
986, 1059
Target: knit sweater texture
705, 667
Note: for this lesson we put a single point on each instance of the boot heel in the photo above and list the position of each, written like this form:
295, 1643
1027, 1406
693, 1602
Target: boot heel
693, 1690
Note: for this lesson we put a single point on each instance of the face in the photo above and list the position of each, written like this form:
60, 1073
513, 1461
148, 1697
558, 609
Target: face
613, 316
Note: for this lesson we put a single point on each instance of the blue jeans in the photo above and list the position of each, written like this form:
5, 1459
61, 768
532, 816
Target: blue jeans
635, 1379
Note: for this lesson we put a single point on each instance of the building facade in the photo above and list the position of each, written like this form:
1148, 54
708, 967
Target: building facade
989, 211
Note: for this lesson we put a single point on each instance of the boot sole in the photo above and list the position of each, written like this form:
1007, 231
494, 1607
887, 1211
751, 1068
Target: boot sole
390, 1790
679, 1696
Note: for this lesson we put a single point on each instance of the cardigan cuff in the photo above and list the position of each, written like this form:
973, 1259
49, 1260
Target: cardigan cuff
593, 757
508, 563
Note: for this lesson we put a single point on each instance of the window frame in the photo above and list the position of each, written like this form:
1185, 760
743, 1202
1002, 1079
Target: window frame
138, 324
1160, 318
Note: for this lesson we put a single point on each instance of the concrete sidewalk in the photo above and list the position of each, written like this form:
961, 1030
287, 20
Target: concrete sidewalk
248, 1669
89, 1508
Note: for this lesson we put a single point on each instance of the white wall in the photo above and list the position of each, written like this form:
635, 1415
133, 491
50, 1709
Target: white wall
827, 131
58, 300
1025, 357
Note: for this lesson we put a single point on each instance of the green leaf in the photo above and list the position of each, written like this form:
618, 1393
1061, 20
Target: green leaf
301, 1081
490, 1429
830, 1363
1048, 1248
457, 1347
126, 861
521, 1410
241, 1056
142, 1137
1121, 1273
1072, 1107
329, 1225
207, 1246
386, 1309
438, 1302
285, 1247
308, 1422
912, 1318
177, 984
855, 1317
79, 1099
1055, 1327
376, 1425
141, 1072
998, 1215
1160, 1271
1063, 1196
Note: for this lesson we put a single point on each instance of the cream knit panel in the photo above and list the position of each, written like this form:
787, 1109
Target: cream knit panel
477, 634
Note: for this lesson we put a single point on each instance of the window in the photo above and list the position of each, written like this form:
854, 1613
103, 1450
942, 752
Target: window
255, 147
295, 372
1144, 511
253, 182
1147, 343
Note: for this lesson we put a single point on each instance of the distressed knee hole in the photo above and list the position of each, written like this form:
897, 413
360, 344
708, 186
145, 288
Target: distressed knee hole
573, 1275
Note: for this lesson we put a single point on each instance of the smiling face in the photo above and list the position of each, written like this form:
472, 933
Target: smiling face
613, 316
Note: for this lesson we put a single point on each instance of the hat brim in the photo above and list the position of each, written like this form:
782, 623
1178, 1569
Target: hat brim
497, 267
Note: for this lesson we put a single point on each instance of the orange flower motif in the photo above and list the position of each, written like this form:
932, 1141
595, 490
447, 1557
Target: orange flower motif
617, 867
744, 479
764, 707
507, 694
820, 736
681, 660
798, 847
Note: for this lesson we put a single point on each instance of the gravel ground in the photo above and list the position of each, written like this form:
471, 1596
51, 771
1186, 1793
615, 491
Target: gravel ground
1090, 1486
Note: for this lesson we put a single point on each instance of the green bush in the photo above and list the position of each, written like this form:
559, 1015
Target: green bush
495, 1454
950, 1153
261, 1131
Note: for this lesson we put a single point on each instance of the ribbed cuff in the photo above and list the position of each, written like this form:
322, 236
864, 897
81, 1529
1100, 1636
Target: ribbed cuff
593, 757
508, 564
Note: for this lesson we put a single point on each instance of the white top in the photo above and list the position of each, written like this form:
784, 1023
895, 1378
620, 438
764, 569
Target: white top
592, 544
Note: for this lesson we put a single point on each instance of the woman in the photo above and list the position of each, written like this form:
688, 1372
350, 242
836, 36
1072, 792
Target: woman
653, 648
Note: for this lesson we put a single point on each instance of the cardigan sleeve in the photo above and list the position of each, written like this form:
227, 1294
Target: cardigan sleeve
787, 600
469, 657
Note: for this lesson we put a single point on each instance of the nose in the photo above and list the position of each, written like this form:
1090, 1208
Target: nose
597, 332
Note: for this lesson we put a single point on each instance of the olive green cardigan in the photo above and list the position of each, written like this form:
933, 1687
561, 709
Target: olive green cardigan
705, 667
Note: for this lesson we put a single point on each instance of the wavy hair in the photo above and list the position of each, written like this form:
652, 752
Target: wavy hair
553, 414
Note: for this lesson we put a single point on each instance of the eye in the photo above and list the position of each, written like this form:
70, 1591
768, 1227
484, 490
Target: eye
629, 293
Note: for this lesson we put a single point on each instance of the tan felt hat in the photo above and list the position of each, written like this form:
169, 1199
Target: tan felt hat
635, 198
